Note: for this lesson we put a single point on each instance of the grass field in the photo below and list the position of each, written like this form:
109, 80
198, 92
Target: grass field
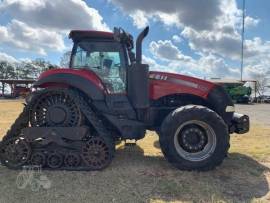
141, 174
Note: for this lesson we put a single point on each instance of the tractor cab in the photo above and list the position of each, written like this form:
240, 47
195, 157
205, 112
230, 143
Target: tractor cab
101, 54
110, 57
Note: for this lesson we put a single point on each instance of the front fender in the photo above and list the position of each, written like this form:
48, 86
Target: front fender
88, 83
219, 100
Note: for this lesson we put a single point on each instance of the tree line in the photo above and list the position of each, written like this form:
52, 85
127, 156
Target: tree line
27, 69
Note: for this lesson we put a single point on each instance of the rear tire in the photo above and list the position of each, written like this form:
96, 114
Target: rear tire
194, 138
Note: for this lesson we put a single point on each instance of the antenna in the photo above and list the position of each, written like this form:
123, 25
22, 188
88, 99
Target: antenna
243, 38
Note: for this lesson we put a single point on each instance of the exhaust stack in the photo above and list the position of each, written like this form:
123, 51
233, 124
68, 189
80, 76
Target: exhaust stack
139, 40
138, 81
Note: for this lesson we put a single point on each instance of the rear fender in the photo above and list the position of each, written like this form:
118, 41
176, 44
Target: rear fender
68, 79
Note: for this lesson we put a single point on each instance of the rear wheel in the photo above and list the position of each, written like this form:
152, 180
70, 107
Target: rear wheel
194, 138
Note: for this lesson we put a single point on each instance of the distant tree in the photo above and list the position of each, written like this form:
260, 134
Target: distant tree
32, 69
23, 70
7, 71
64, 61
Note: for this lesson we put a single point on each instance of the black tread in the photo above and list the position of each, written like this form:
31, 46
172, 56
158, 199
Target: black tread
182, 114
95, 121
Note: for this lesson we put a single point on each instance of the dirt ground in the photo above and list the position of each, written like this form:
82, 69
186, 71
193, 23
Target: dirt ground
141, 174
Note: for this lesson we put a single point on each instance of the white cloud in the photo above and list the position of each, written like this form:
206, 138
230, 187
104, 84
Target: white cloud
212, 28
251, 22
6, 57
166, 50
172, 67
139, 19
218, 42
213, 66
27, 38
200, 15
208, 65
176, 38
56, 14
40, 26
209, 26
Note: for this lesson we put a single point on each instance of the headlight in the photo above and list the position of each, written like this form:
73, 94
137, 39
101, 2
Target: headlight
230, 109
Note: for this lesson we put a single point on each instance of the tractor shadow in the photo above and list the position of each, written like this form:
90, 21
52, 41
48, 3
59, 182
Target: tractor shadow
141, 174
239, 179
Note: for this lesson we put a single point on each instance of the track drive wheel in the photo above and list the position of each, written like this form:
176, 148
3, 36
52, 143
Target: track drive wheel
55, 108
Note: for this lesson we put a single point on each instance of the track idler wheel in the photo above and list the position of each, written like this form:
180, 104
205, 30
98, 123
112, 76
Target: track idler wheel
96, 153
55, 160
15, 153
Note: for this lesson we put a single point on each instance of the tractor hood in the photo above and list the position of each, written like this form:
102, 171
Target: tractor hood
166, 84
162, 84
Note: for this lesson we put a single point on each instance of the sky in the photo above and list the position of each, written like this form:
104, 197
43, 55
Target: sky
201, 38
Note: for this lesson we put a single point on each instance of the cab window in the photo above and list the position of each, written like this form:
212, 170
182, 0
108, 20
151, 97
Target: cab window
106, 59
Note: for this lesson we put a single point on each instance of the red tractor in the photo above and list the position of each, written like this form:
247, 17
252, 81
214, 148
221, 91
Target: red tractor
76, 116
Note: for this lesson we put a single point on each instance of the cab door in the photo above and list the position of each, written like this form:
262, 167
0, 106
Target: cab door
109, 62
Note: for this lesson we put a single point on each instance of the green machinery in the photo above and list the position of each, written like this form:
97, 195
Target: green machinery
236, 89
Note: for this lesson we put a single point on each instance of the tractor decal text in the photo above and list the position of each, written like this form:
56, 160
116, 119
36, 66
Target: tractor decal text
178, 81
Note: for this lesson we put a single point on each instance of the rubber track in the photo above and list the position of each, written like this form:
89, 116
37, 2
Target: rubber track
90, 114
94, 120
23, 121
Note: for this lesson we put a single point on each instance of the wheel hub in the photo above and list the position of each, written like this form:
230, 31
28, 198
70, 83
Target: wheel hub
57, 114
193, 139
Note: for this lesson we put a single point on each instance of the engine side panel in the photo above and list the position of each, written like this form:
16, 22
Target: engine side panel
163, 84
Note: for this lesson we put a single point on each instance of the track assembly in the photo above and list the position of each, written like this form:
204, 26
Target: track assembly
57, 139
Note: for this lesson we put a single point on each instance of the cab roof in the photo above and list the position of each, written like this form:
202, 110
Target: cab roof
79, 34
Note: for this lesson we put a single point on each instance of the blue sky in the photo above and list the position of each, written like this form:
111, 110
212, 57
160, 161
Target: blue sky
199, 38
